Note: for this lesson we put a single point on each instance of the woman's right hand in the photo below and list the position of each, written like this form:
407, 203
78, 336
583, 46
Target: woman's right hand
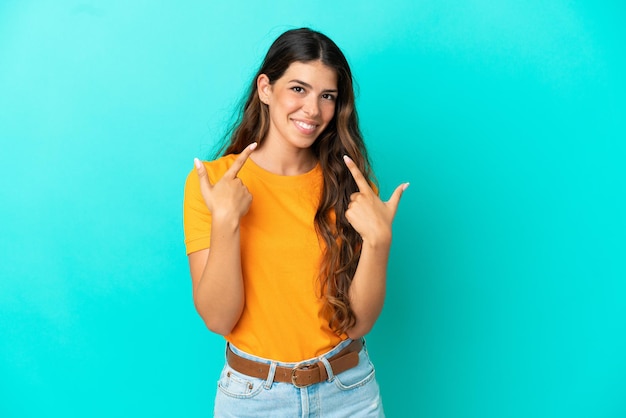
228, 197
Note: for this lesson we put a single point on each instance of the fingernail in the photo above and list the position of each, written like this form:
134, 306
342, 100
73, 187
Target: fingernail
346, 158
406, 186
197, 163
253, 145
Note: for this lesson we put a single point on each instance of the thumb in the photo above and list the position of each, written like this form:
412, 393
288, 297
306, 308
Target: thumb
394, 200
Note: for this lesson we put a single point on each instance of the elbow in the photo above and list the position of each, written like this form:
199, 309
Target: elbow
217, 322
218, 327
357, 332
355, 335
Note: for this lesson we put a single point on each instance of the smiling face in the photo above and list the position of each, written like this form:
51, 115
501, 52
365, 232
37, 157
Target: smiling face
301, 104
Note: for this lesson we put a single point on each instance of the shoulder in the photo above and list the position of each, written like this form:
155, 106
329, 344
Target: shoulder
215, 168
220, 164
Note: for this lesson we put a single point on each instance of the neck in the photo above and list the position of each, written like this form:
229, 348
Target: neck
284, 162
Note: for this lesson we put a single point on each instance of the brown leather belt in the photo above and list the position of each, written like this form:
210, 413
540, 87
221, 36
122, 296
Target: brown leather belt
300, 375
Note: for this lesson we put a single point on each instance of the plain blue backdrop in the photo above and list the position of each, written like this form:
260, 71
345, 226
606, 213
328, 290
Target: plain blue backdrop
507, 279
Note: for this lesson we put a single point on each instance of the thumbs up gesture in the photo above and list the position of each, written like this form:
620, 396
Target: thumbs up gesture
367, 213
228, 197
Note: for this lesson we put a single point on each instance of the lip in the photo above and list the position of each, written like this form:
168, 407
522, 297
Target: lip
305, 126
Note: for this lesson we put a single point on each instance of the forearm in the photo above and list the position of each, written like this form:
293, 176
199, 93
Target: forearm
219, 295
368, 288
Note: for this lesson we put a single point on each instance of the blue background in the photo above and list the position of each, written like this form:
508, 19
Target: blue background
507, 291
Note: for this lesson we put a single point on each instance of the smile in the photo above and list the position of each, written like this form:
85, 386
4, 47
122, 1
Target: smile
306, 127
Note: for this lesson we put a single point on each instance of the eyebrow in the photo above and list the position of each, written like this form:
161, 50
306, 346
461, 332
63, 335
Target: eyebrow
307, 85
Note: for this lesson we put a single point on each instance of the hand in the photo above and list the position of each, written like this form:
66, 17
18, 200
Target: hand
229, 196
368, 215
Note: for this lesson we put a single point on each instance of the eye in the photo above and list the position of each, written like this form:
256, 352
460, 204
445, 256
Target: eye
328, 96
298, 89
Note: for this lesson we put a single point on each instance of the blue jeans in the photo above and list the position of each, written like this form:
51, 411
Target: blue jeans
353, 393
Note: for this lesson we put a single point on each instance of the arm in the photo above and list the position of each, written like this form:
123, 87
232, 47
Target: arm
368, 288
372, 219
217, 280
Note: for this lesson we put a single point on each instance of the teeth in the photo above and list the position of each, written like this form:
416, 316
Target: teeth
304, 125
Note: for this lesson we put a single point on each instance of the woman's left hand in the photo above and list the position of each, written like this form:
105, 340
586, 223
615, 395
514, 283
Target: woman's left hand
367, 213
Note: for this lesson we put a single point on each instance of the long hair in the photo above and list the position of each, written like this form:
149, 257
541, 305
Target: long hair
342, 136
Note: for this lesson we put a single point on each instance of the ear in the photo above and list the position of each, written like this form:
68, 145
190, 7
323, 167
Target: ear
264, 88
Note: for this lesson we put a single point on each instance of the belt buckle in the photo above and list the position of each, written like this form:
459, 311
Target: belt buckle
294, 377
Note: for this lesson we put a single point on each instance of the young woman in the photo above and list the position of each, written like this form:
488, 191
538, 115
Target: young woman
288, 242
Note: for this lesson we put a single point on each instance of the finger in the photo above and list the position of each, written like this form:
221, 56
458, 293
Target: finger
394, 200
233, 170
360, 180
201, 170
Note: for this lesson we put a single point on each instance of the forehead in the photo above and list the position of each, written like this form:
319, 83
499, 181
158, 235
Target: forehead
314, 73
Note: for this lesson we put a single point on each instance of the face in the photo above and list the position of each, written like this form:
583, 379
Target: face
301, 103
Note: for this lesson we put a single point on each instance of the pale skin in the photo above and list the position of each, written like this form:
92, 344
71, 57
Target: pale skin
301, 105
216, 274
372, 219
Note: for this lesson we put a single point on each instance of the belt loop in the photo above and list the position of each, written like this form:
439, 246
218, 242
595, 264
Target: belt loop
329, 370
270, 376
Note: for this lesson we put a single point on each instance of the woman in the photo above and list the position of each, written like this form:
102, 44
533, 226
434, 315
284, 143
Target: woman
288, 243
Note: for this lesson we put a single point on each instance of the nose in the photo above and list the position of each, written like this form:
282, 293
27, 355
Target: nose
311, 106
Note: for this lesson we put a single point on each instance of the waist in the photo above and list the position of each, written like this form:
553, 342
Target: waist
282, 342
305, 373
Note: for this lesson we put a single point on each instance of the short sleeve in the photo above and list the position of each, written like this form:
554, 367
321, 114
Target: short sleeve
196, 216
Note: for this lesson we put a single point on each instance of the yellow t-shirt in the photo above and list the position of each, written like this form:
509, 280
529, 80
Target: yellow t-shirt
280, 255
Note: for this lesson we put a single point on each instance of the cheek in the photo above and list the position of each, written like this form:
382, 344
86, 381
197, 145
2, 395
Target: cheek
328, 112
289, 105
281, 108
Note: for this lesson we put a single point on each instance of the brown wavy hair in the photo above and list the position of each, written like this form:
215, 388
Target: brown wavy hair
342, 136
